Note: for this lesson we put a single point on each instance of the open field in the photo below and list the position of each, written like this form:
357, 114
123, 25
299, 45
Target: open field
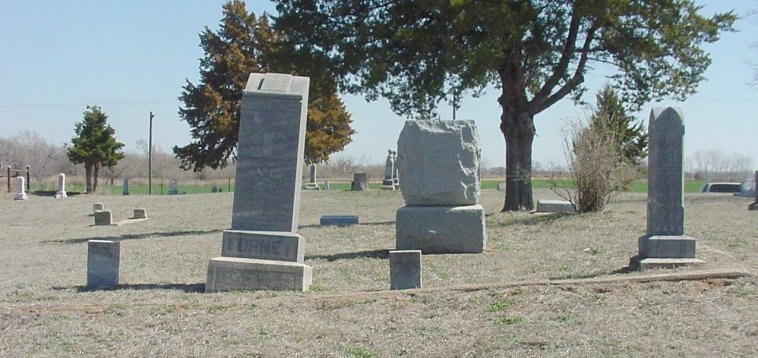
507, 301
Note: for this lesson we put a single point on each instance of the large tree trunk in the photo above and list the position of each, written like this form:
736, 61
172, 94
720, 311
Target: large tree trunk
88, 177
518, 131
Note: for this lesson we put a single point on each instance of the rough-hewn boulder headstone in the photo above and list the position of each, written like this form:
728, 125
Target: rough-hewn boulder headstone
103, 259
360, 182
405, 269
20, 189
61, 192
262, 249
439, 164
665, 242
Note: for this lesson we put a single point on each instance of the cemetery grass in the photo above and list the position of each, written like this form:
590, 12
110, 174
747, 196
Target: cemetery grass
497, 303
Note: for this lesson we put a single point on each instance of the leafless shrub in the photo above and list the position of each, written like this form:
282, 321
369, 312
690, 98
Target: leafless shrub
596, 166
714, 165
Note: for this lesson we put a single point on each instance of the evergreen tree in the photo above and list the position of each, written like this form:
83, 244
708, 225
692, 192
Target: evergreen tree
95, 145
245, 44
629, 138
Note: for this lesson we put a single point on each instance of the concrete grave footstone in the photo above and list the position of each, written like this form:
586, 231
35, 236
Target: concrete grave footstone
754, 205
125, 187
338, 220
439, 163
360, 182
555, 206
61, 192
139, 214
103, 217
262, 249
665, 237
103, 259
312, 185
20, 189
405, 269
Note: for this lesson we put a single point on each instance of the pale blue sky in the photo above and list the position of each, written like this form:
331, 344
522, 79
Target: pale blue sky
132, 57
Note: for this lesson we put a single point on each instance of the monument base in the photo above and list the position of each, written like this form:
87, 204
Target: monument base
753, 206
639, 263
388, 184
21, 196
441, 229
233, 273
263, 245
312, 186
667, 247
60, 194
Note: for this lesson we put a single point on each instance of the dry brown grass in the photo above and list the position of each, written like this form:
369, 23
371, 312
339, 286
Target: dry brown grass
159, 309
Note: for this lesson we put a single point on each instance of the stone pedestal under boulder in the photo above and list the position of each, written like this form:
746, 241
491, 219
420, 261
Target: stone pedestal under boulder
439, 164
441, 229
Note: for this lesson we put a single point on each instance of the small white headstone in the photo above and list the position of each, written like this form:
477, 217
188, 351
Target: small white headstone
20, 189
61, 192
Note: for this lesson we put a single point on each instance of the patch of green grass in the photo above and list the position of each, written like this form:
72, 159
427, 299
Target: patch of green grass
357, 352
509, 320
500, 305
564, 318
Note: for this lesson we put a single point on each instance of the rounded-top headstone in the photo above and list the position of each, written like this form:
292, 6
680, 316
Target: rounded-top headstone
439, 163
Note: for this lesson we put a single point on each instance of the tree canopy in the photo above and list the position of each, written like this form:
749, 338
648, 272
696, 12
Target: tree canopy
94, 145
536, 52
243, 44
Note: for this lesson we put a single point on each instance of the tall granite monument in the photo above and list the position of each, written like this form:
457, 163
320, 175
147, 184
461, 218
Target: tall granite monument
262, 250
665, 244
439, 163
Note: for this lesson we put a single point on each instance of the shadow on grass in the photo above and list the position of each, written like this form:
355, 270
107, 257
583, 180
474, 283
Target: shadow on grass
623, 270
134, 236
189, 288
534, 219
389, 222
373, 254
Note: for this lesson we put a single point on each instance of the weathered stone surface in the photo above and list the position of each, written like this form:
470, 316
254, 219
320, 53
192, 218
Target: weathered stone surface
97, 207
103, 217
338, 220
555, 206
405, 269
441, 229
264, 245
754, 205
439, 163
103, 259
312, 185
360, 182
270, 153
125, 187
173, 187
232, 273
665, 203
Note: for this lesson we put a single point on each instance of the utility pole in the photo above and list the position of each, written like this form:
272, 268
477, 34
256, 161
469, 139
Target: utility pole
150, 158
